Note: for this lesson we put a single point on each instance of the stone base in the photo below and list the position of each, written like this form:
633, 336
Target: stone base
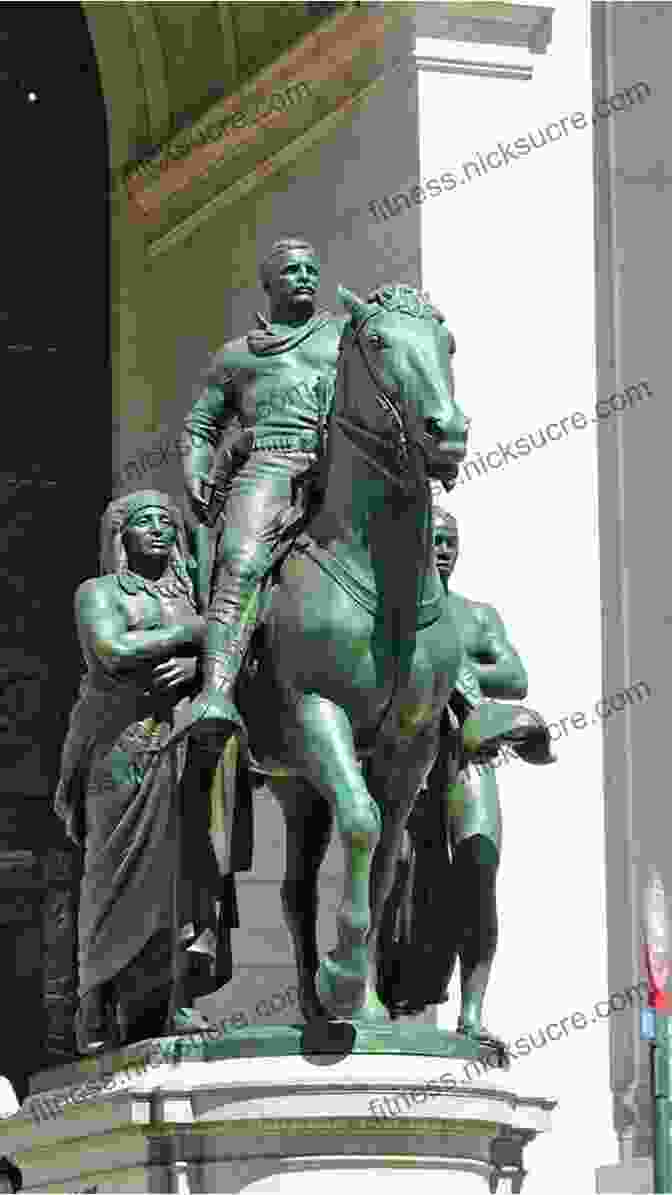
626, 1178
252, 1111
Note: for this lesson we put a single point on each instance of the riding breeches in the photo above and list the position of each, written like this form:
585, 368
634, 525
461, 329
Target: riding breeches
261, 506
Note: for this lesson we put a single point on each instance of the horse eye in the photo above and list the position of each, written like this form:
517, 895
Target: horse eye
376, 341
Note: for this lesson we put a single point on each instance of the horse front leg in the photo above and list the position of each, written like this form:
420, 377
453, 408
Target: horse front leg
396, 773
325, 745
308, 825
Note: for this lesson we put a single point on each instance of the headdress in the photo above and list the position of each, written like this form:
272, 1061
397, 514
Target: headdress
113, 557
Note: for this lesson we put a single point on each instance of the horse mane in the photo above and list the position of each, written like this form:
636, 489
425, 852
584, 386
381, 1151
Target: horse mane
398, 296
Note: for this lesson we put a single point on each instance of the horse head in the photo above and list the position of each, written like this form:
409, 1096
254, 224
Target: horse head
395, 378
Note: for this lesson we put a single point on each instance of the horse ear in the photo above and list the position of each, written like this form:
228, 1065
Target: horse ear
356, 306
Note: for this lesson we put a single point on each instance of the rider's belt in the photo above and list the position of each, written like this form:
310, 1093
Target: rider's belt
291, 442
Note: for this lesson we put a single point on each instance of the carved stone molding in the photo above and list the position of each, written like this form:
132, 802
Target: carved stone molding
247, 183
521, 25
320, 66
226, 154
466, 66
150, 53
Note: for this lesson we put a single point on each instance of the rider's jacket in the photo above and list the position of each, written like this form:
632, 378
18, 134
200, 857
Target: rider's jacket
281, 416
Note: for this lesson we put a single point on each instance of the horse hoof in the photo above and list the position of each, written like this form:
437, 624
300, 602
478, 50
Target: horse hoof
340, 993
334, 1038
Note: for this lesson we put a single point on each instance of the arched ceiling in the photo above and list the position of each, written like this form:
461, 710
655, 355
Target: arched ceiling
205, 101
163, 65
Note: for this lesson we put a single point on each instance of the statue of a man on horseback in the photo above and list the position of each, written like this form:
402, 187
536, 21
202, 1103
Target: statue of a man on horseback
359, 652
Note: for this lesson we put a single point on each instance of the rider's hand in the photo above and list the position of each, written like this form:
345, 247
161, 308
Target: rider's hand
198, 494
173, 673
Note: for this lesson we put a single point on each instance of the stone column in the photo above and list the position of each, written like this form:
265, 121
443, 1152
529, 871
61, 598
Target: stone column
631, 81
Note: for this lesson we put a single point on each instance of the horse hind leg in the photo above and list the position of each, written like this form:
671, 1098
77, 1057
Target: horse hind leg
328, 759
308, 823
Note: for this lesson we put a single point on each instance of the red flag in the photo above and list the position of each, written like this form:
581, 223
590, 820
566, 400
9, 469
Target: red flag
657, 941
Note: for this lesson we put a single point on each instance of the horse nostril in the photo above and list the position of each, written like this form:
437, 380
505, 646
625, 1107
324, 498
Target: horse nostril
433, 428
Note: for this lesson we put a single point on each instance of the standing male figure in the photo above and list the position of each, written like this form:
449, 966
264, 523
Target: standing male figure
265, 382
471, 799
460, 811
147, 914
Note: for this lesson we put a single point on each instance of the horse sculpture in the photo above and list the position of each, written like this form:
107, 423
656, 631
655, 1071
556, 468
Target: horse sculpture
359, 654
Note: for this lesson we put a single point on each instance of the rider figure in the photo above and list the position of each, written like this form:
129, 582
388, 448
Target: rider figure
266, 383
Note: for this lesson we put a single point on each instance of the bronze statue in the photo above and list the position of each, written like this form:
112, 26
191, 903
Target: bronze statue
264, 382
118, 792
460, 812
356, 654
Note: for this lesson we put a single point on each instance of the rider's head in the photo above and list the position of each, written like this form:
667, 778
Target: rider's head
446, 543
290, 275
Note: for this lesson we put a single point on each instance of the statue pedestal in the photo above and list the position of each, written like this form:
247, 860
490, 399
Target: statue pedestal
249, 1111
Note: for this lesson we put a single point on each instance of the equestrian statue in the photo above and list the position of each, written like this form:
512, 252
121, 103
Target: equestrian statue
356, 654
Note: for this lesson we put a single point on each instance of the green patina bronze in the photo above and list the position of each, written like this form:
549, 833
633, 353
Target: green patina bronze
316, 440
147, 920
357, 653
287, 1040
454, 845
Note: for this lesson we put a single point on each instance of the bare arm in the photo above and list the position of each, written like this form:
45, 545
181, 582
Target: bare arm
498, 667
103, 629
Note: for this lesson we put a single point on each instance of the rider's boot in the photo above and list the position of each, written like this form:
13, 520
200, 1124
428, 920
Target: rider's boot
229, 630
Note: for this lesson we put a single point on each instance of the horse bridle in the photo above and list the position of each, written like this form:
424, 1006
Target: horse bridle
388, 404
387, 401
